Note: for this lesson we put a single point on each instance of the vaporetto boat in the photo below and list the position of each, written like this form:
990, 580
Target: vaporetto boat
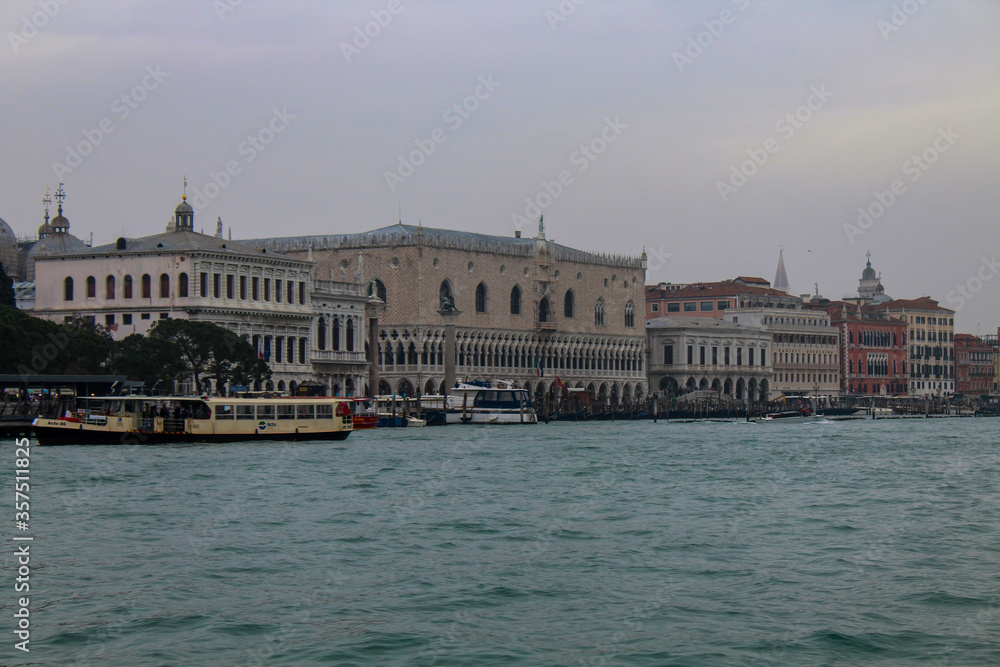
131, 420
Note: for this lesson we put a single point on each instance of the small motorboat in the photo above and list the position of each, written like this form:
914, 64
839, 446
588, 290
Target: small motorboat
788, 417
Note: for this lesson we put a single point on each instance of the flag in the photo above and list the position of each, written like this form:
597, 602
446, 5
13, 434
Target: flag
539, 371
561, 384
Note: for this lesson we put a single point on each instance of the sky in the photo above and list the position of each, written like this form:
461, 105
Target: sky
712, 134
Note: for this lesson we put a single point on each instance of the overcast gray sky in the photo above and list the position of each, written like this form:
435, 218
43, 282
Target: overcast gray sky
649, 111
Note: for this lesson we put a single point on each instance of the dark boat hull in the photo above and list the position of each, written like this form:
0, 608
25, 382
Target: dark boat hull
48, 436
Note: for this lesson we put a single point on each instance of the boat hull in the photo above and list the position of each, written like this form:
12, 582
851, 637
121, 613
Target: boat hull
50, 436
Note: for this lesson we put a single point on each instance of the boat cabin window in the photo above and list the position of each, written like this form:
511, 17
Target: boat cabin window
324, 411
224, 412
265, 412
305, 411
286, 412
244, 412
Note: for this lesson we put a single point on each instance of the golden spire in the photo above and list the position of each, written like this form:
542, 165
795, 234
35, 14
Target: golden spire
185, 195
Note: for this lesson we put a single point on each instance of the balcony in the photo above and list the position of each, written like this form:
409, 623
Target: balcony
335, 356
545, 326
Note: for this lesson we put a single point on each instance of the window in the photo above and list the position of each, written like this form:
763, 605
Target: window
68, 289
277, 290
279, 345
707, 305
321, 334
715, 356
230, 286
291, 349
224, 412
286, 412
701, 355
164, 286
599, 313
690, 306
721, 305
265, 412
216, 285
544, 310
203, 289
243, 288
750, 356
336, 333
109, 287
673, 307
255, 288
144, 316
655, 308
763, 357
109, 320
349, 335
291, 291
324, 411
482, 298
91, 287
302, 350
245, 412
690, 354
164, 316
515, 300
182, 285
630, 314
302, 295
725, 357
668, 355
739, 356
127, 318
306, 411
569, 304
267, 289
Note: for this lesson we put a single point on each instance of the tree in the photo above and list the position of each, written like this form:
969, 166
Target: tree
31, 345
210, 351
6, 289
147, 360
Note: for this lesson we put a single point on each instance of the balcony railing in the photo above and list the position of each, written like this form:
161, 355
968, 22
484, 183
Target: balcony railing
337, 355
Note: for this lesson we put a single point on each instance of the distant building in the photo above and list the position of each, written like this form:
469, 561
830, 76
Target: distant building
780, 276
873, 351
805, 348
269, 299
689, 354
531, 309
932, 343
713, 299
975, 372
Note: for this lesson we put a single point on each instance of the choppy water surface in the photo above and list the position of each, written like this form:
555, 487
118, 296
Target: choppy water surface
564, 544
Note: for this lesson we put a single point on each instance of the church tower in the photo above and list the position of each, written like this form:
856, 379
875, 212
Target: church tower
780, 277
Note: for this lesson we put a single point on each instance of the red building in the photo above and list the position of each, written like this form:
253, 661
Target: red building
974, 369
713, 299
873, 358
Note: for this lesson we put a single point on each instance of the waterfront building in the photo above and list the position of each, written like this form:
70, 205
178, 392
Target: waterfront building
688, 354
805, 348
873, 347
975, 372
932, 343
713, 299
269, 299
526, 310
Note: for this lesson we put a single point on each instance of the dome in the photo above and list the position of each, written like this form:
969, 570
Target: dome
45, 230
869, 273
8, 248
58, 243
183, 208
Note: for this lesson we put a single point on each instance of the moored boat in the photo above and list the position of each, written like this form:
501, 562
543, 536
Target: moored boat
133, 420
482, 402
788, 417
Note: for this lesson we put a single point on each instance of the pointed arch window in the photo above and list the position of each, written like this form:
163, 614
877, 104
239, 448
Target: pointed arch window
599, 313
321, 334
336, 333
482, 298
569, 304
350, 334
544, 310
630, 314
515, 300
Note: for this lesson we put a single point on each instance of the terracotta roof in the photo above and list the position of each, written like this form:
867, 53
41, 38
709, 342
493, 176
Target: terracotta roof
681, 322
923, 303
725, 288
848, 312
752, 280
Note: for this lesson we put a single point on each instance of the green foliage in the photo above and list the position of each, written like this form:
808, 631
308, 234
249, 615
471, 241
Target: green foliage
32, 345
6, 289
212, 352
147, 360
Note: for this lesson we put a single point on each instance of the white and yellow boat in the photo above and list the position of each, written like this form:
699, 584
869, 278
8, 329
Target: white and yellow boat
132, 420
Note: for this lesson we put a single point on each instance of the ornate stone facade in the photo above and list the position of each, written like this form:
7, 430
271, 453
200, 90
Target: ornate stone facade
530, 309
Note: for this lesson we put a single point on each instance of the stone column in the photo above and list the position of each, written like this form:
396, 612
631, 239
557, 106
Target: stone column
449, 346
373, 310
